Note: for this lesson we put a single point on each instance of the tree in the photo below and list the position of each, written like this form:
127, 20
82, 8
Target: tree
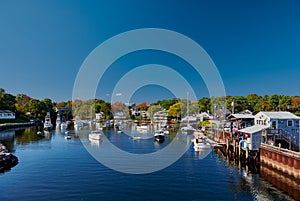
33, 107
284, 102
204, 104
2, 92
175, 110
193, 108
254, 102
153, 109
142, 106
166, 104
274, 102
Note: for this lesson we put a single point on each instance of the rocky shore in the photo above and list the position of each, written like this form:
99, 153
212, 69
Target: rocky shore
7, 160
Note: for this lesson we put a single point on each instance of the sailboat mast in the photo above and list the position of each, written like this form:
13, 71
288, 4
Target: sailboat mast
187, 109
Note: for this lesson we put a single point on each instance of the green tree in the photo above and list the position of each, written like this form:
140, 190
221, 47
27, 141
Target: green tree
274, 102
175, 110
153, 109
204, 104
33, 107
166, 104
254, 102
284, 102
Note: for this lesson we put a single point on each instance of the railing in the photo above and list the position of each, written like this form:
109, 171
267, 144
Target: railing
285, 151
286, 135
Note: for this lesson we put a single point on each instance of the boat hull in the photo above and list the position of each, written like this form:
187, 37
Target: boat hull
95, 136
159, 138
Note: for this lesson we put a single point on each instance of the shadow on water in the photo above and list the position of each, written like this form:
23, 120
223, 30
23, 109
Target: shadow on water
12, 137
281, 181
273, 180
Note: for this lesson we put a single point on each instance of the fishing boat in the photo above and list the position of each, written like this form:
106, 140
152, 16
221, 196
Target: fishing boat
47, 124
159, 136
95, 135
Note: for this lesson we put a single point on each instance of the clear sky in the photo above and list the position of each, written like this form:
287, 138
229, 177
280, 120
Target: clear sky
254, 44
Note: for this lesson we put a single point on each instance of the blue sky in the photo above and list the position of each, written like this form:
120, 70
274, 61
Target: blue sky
254, 44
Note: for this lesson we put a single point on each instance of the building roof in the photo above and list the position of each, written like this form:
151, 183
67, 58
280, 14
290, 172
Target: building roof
6, 111
241, 116
253, 129
190, 118
279, 115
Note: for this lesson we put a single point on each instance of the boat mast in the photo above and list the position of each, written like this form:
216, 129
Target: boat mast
187, 109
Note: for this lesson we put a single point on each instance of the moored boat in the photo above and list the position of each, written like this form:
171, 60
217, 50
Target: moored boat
201, 144
47, 124
95, 135
159, 136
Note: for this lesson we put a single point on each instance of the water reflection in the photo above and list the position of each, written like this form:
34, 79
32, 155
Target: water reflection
8, 139
251, 174
282, 182
29, 135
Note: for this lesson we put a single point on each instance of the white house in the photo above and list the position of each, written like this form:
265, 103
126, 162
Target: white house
99, 115
283, 124
7, 114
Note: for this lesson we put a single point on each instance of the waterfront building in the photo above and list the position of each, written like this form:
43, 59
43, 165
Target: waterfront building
7, 114
241, 120
275, 128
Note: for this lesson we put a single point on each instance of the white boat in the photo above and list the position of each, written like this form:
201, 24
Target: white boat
47, 124
58, 121
136, 137
68, 137
95, 135
143, 126
159, 136
188, 129
201, 144
63, 125
77, 125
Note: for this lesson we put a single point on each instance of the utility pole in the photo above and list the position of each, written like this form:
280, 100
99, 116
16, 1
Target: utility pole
232, 104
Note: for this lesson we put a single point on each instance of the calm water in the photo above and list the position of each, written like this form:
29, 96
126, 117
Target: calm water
53, 168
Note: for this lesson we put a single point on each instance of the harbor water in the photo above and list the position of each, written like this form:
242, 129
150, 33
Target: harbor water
54, 168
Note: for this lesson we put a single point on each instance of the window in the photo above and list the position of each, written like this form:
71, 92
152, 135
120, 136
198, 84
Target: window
274, 124
290, 123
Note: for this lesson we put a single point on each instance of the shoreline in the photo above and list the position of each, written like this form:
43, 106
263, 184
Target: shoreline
15, 125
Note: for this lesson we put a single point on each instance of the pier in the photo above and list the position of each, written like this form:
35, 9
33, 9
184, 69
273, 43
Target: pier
280, 159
